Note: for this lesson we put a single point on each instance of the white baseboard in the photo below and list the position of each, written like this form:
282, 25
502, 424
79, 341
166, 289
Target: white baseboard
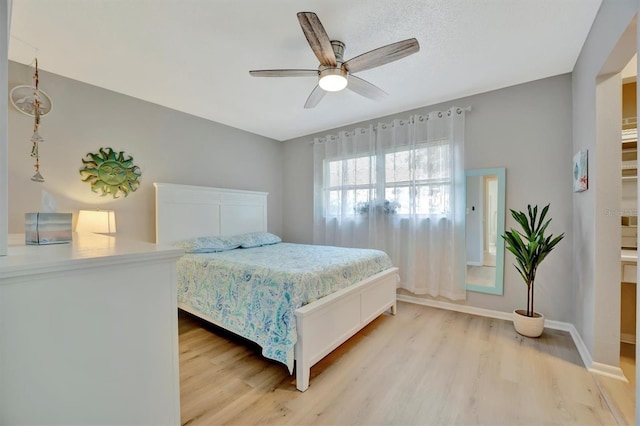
608, 370
590, 365
455, 307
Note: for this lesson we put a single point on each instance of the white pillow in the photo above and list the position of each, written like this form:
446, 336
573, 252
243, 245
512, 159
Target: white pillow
257, 239
209, 244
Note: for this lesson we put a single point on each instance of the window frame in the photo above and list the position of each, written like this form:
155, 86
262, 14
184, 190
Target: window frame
379, 185
344, 189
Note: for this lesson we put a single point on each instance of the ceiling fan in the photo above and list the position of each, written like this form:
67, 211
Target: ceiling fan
334, 73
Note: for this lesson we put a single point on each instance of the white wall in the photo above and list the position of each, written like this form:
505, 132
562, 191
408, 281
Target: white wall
525, 128
596, 294
167, 145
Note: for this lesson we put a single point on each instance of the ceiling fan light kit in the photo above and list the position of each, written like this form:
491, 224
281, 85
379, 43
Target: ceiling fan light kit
335, 74
333, 79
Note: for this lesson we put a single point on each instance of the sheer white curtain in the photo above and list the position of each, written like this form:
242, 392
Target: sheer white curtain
398, 187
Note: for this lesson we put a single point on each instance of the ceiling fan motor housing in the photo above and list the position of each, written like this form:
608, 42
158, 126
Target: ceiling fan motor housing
334, 78
338, 50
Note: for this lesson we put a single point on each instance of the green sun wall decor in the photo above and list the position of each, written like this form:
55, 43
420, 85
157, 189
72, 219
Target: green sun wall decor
110, 172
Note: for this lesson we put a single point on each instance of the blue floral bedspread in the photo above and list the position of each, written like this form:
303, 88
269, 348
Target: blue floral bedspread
254, 292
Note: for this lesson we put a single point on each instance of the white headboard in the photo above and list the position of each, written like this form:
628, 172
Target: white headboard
184, 211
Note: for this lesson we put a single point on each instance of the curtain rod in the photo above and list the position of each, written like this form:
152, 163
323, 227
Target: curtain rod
375, 127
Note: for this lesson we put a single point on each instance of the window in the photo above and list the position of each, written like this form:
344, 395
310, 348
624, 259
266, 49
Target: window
396, 187
414, 181
349, 183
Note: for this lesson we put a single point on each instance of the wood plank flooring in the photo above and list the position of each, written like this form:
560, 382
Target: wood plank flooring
423, 366
621, 396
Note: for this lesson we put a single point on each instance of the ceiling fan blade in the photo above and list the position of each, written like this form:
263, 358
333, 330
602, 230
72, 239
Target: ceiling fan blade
284, 73
317, 38
316, 96
382, 55
364, 88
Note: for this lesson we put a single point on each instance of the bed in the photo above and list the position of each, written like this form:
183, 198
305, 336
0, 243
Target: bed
321, 308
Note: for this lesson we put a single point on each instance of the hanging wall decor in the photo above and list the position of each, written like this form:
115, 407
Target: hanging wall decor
580, 171
110, 172
22, 99
32, 101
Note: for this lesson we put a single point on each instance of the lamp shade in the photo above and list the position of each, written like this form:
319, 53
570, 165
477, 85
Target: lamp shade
96, 221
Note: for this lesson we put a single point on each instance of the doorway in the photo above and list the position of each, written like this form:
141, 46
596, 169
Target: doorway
629, 222
614, 207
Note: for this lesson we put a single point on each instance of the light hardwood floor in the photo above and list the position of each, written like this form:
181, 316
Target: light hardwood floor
621, 396
422, 366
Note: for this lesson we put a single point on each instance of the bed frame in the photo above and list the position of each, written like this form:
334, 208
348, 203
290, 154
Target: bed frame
184, 211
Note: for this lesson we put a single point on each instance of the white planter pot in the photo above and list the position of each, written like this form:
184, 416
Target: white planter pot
528, 326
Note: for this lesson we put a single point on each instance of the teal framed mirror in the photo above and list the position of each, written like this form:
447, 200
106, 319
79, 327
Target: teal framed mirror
484, 225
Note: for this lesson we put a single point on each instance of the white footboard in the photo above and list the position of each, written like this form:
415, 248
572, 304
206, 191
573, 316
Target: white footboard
328, 322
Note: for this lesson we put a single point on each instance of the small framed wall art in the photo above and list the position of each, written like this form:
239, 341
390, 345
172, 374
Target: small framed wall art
580, 171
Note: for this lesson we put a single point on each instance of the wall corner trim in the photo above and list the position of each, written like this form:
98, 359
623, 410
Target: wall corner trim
608, 371
593, 367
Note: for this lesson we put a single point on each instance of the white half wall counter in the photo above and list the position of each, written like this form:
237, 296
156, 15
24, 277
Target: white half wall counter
89, 332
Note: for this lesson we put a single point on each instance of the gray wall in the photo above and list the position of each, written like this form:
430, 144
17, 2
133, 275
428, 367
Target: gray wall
167, 145
596, 126
525, 128
5, 20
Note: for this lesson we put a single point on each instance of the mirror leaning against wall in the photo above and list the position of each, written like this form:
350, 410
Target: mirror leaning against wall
484, 222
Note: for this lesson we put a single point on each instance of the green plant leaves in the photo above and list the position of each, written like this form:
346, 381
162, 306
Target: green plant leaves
530, 246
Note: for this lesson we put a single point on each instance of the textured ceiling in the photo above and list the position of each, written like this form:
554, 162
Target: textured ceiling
194, 55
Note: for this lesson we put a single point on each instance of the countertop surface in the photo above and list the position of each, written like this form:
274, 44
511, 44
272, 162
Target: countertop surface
84, 250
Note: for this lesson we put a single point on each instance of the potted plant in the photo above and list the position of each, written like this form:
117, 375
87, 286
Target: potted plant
530, 246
